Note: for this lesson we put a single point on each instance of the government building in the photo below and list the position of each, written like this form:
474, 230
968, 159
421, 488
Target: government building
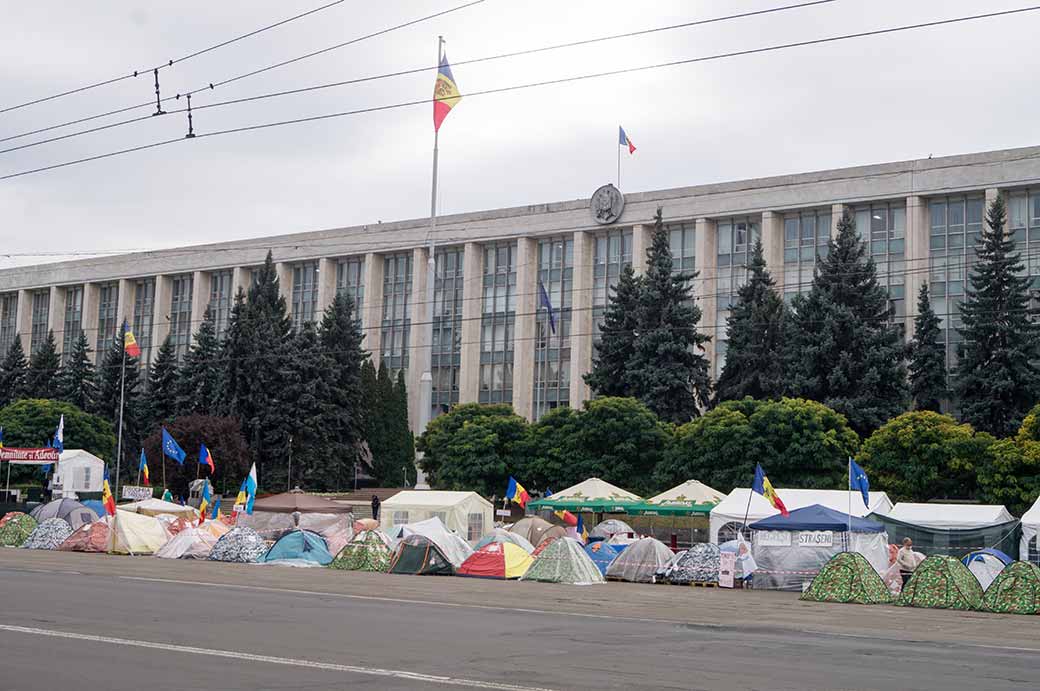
492, 338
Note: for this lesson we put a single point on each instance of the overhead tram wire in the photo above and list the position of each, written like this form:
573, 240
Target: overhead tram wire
386, 75
531, 85
229, 80
170, 63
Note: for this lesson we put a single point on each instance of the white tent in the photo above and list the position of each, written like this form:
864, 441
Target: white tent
689, 492
1030, 528
729, 513
135, 533
468, 514
154, 507
594, 488
951, 515
454, 547
77, 471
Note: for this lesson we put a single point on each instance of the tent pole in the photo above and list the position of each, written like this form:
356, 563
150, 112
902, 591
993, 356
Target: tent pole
746, 512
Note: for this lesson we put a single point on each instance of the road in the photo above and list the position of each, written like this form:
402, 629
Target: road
142, 623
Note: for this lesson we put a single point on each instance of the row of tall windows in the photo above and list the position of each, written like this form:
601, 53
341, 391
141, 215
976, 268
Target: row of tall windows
304, 293
611, 255
806, 235
736, 238
397, 321
552, 347
350, 281
144, 309
446, 347
180, 313
498, 320
73, 325
8, 321
41, 305
221, 297
956, 225
108, 311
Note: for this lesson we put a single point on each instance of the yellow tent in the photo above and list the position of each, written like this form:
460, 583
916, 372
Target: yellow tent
497, 560
133, 533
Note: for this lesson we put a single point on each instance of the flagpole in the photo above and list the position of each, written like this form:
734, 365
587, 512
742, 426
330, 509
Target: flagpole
618, 147
122, 393
848, 535
746, 512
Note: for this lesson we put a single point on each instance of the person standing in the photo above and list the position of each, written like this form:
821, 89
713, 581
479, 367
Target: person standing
907, 559
375, 507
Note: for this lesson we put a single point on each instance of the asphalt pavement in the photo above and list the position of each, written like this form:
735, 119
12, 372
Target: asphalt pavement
75, 620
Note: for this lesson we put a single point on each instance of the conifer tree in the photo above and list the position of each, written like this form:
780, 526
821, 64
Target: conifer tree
997, 379
309, 396
927, 357
76, 380
200, 374
163, 381
14, 370
371, 422
42, 380
381, 429
754, 361
232, 354
842, 349
340, 340
403, 441
612, 355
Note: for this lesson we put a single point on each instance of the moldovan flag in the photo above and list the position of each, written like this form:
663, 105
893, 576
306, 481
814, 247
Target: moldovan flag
623, 140
205, 457
143, 467
106, 497
765, 488
129, 342
567, 517
204, 504
516, 493
445, 93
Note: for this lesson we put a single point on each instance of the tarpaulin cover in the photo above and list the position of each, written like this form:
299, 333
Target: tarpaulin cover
15, 528
88, 538
299, 544
935, 515
154, 507
532, 529
564, 561
467, 514
271, 525
609, 528
174, 524
368, 551
69, 510
418, 555
592, 495
848, 577
48, 535
792, 566
497, 560
1015, 591
640, 561
817, 517
192, 543
240, 544
601, 554
952, 542
503, 535
699, 564
944, 583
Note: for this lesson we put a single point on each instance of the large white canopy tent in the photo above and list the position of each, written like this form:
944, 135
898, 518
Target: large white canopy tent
77, 471
689, 492
950, 515
468, 514
1029, 550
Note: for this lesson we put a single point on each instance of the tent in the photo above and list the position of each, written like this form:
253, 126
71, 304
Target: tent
503, 535
942, 582
368, 551
699, 564
953, 542
468, 514
420, 556
500, 560
1015, 591
77, 471
135, 533
986, 564
365, 524
691, 498
96, 506
640, 561
848, 577
88, 538
609, 528
601, 554
451, 545
536, 530
591, 496
154, 507
728, 516
48, 534
15, 528
240, 544
174, 524
790, 550
299, 544
69, 510
564, 561
281, 514
192, 543
1028, 550
950, 515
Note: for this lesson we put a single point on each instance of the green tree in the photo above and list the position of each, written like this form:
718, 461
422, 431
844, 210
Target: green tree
842, 349
107, 402
200, 374
319, 463
233, 354
927, 357
613, 353
436, 442
76, 379
222, 436
387, 467
14, 370
402, 441
997, 378
372, 423
1030, 429
924, 455
42, 378
163, 384
553, 444
755, 329
340, 340
1011, 474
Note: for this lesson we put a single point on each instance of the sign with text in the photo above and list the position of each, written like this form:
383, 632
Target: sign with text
727, 565
773, 538
505, 513
29, 456
135, 493
815, 538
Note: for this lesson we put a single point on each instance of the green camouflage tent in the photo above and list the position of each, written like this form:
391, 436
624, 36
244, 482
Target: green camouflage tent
1016, 590
368, 551
848, 577
564, 561
15, 528
944, 583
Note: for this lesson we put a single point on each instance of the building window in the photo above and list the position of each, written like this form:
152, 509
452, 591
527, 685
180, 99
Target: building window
73, 325
735, 247
552, 347
144, 308
956, 225
1024, 227
180, 314
612, 253
399, 517
350, 281
883, 227
220, 297
304, 293
474, 526
8, 321
806, 237
397, 293
41, 305
446, 349
498, 319
108, 309
682, 239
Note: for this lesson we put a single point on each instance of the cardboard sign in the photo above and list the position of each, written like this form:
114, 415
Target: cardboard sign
135, 493
727, 565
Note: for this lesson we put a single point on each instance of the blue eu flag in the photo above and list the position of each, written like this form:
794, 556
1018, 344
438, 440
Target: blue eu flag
171, 448
858, 480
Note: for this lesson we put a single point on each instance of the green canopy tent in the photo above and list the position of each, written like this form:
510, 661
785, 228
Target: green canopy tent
645, 508
590, 496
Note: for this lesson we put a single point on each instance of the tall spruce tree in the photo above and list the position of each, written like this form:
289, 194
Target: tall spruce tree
340, 339
200, 375
107, 402
385, 466
403, 442
755, 328
371, 422
997, 379
44, 364
163, 382
14, 370
233, 352
926, 357
317, 461
76, 380
668, 370
612, 355
842, 348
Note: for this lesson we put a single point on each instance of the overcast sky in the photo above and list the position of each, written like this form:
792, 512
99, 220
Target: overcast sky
947, 90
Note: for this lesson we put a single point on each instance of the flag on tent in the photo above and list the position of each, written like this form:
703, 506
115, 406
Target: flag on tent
516, 493
623, 140
547, 304
59, 435
204, 504
206, 457
445, 93
216, 509
106, 496
247, 492
171, 448
129, 342
567, 517
143, 467
762, 486
858, 481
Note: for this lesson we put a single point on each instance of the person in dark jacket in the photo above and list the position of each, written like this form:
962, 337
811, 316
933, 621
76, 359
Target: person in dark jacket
375, 507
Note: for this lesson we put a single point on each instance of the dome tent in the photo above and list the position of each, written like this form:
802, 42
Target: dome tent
88, 538
299, 545
418, 555
241, 545
191, 543
451, 545
942, 582
536, 530
601, 554
699, 564
1015, 591
69, 510
639, 561
501, 560
48, 534
848, 577
135, 533
609, 528
503, 535
15, 528
368, 551
986, 564
564, 561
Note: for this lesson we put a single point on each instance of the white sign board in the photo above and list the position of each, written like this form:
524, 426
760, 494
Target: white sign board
773, 538
727, 565
816, 538
134, 493
506, 513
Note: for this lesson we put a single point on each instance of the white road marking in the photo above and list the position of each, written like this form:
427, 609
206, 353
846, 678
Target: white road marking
292, 662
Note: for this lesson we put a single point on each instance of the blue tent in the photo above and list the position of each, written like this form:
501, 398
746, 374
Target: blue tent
816, 517
299, 544
96, 505
602, 554
977, 556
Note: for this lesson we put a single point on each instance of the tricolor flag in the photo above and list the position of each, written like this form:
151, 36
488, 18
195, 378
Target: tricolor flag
143, 467
216, 510
204, 504
516, 493
580, 529
205, 457
129, 342
445, 93
106, 496
623, 140
247, 493
762, 486
567, 517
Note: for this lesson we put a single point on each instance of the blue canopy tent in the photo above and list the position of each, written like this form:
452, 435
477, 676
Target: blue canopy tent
601, 554
299, 545
817, 517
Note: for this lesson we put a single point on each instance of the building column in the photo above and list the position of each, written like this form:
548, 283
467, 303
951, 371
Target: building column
581, 318
773, 246
524, 331
372, 321
239, 279
837, 211
56, 317
23, 319
284, 272
326, 287
916, 258
641, 240
127, 295
472, 302
201, 287
91, 298
706, 241
161, 311
418, 334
